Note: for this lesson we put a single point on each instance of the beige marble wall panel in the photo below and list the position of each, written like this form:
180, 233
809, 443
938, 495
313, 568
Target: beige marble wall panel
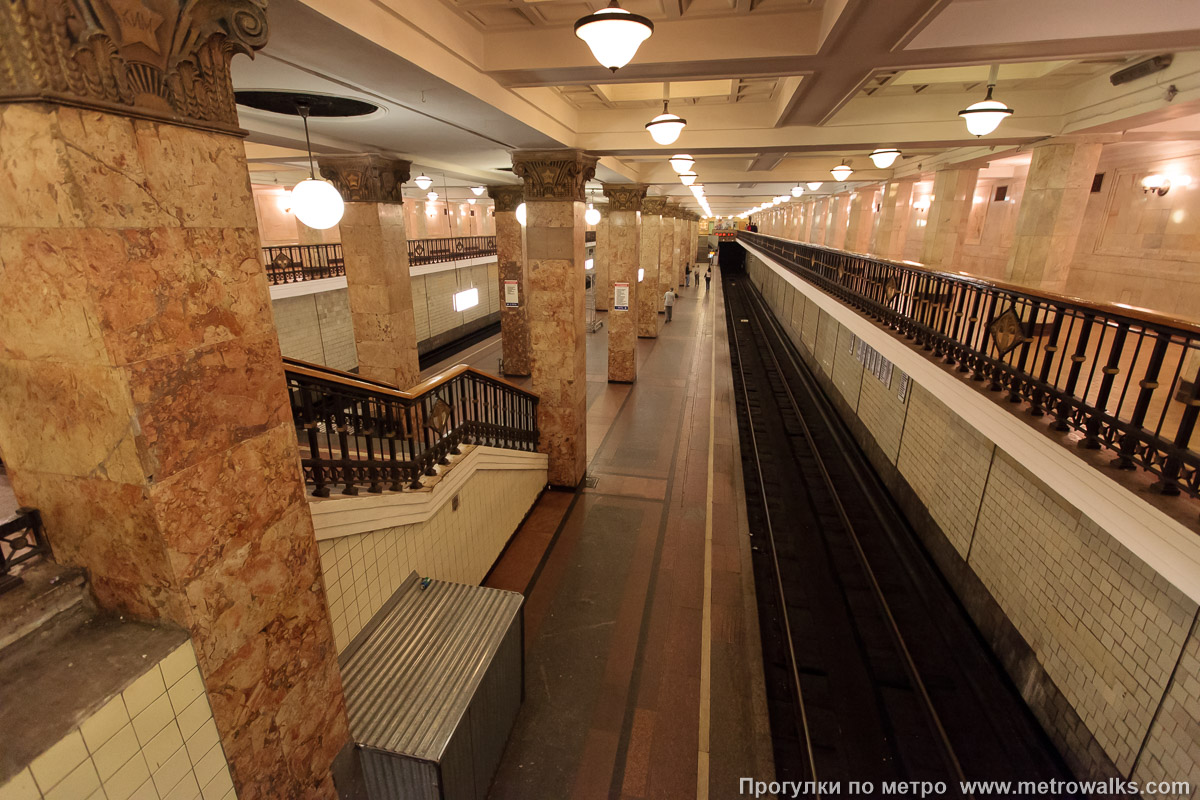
174, 477
554, 241
1052, 212
381, 306
893, 220
946, 229
624, 247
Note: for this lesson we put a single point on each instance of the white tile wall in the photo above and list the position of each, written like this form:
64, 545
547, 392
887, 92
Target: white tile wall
154, 741
317, 328
363, 570
847, 369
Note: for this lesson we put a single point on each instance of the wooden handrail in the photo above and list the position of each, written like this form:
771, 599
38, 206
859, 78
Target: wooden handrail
350, 379
1147, 315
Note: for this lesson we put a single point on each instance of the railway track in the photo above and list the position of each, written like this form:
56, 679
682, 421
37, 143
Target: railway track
874, 671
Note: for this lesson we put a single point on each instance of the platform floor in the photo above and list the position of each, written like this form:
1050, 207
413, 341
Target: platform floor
629, 583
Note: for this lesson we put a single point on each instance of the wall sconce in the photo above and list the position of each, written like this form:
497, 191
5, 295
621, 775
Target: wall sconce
1161, 184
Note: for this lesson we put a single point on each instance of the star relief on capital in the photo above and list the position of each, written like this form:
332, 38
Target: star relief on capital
139, 24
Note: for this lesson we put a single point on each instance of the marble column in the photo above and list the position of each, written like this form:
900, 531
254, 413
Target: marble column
510, 262
601, 261
650, 249
953, 191
143, 407
890, 233
820, 219
1051, 213
679, 258
624, 225
667, 255
861, 215
554, 247
375, 246
835, 231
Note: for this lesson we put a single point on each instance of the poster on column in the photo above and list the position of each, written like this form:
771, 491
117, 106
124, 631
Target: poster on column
511, 298
620, 296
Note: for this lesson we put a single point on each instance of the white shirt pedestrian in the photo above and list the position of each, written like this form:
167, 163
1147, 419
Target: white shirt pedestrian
669, 302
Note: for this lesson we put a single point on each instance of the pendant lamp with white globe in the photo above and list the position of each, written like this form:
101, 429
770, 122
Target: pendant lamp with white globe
797, 190
688, 178
884, 157
666, 127
315, 202
614, 34
814, 185
423, 181
682, 163
477, 190
985, 116
521, 213
841, 171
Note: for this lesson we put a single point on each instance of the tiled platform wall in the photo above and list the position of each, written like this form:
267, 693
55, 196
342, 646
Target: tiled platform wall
316, 327
1103, 646
156, 739
459, 544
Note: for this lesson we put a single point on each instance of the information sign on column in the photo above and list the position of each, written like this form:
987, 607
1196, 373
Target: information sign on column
620, 296
511, 296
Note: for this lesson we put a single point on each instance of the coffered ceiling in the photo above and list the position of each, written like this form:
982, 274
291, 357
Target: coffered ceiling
775, 92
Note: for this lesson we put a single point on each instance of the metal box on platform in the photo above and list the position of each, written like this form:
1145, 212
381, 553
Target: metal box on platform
433, 689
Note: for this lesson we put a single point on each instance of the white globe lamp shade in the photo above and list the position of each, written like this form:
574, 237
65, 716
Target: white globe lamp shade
591, 216
688, 178
682, 163
884, 157
432, 197
666, 127
477, 191
613, 34
471, 201
521, 213
423, 182
814, 185
985, 116
841, 172
797, 190
775, 201
317, 204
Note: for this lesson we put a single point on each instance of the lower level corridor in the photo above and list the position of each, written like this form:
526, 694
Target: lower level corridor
643, 674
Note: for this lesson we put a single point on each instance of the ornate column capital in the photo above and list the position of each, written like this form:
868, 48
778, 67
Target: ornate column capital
654, 206
624, 196
507, 196
168, 61
366, 178
671, 210
554, 174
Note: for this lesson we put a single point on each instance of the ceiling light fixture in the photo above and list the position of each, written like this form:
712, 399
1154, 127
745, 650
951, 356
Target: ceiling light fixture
666, 127
591, 216
477, 190
521, 213
682, 163
841, 171
432, 197
814, 185
884, 157
797, 190
614, 34
687, 178
423, 181
315, 202
471, 201
985, 116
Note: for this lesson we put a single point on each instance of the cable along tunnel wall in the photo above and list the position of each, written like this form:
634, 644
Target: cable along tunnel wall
1087, 594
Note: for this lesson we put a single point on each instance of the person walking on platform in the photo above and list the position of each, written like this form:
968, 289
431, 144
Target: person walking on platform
707, 279
669, 301
687, 275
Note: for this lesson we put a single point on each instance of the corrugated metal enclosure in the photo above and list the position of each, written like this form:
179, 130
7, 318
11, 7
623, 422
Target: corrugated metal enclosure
433, 688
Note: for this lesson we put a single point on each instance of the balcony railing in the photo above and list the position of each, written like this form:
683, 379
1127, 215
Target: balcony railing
359, 433
452, 248
1126, 378
290, 263
21, 540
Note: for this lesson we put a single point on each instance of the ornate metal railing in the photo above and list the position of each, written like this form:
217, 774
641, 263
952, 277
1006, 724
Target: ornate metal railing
1126, 378
21, 539
359, 433
290, 263
451, 248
